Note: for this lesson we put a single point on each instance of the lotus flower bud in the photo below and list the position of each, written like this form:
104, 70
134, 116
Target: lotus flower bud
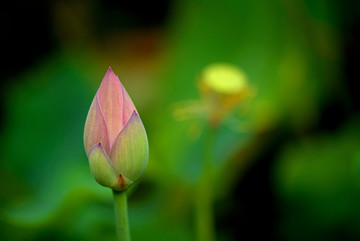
114, 137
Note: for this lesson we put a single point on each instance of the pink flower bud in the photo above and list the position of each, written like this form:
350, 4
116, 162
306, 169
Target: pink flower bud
114, 137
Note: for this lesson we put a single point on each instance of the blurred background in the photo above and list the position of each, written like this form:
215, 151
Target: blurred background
285, 160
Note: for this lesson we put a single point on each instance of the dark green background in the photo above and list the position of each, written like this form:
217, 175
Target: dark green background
287, 160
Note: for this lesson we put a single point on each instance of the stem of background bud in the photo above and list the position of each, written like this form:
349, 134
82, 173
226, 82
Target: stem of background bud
204, 193
121, 216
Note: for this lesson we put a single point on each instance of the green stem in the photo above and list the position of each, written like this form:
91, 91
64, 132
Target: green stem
121, 216
204, 211
204, 195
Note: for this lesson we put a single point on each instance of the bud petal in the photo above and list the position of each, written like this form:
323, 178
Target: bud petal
110, 100
128, 106
114, 103
130, 151
95, 128
101, 166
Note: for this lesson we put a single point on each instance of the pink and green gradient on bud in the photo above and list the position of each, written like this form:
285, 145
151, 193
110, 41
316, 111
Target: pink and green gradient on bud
114, 137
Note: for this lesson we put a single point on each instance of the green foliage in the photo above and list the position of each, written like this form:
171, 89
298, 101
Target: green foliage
290, 52
319, 187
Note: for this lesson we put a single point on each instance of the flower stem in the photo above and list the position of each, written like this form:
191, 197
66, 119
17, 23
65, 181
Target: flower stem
121, 216
204, 195
204, 210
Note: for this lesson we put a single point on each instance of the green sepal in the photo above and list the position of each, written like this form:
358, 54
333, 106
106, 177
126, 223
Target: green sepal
121, 183
130, 151
103, 171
